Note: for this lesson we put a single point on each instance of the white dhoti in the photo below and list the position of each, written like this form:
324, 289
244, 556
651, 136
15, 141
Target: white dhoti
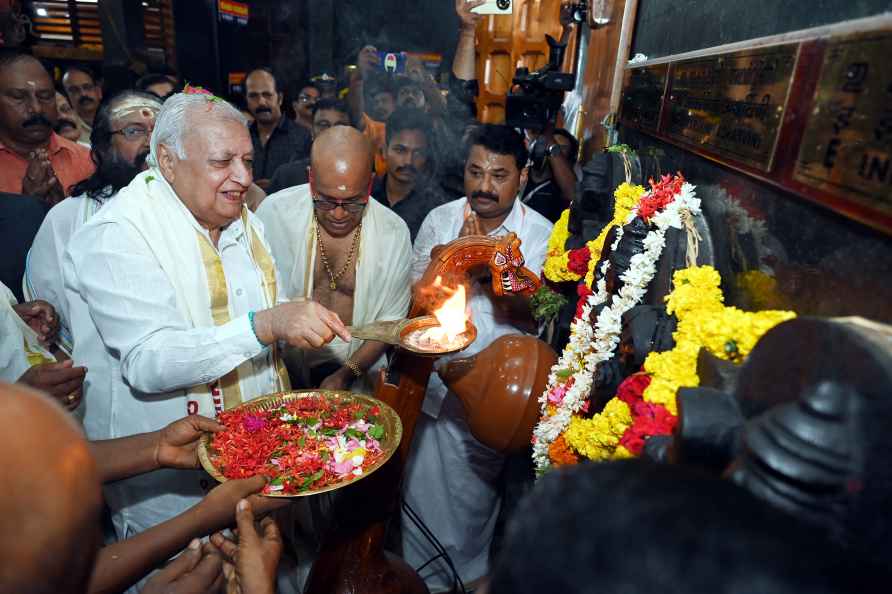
452, 479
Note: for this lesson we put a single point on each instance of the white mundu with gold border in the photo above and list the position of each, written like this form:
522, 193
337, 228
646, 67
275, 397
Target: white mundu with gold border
159, 317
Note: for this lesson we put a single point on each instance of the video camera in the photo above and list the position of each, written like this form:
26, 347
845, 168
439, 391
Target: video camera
536, 97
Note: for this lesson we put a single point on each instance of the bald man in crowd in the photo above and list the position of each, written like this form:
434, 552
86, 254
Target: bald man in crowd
49, 537
39, 523
335, 246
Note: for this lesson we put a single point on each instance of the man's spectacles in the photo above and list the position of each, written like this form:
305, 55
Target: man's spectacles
132, 132
351, 206
306, 99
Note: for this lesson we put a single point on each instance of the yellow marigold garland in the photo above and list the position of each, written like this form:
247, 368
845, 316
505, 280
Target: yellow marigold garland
703, 321
555, 267
598, 438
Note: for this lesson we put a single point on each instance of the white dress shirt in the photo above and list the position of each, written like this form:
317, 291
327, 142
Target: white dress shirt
141, 354
440, 227
43, 267
451, 478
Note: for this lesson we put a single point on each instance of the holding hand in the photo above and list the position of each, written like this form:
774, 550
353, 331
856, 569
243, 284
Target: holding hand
341, 379
195, 571
62, 381
178, 442
367, 60
302, 324
215, 510
40, 317
468, 20
254, 559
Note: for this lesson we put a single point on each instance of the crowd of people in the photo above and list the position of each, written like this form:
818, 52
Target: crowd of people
171, 256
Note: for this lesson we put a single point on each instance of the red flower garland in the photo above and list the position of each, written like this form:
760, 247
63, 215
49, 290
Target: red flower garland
648, 419
577, 260
662, 193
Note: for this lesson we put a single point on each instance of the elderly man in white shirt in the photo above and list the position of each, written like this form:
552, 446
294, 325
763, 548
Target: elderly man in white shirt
173, 299
451, 480
121, 130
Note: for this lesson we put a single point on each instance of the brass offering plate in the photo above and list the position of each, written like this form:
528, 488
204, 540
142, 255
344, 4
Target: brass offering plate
389, 443
396, 331
846, 148
415, 324
732, 105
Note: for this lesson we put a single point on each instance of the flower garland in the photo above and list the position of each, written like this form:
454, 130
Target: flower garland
571, 378
573, 265
645, 403
555, 267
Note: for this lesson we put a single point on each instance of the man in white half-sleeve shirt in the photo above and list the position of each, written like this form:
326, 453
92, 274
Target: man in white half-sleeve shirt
451, 479
174, 299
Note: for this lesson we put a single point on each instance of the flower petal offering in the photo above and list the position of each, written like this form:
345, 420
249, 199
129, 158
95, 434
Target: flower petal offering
304, 442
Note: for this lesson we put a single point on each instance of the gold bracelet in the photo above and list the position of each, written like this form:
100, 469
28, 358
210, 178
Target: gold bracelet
353, 367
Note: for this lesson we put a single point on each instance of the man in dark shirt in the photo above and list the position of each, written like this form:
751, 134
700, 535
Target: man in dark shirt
407, 188
307, 97
326, 113
552, 181
277, 139
20, 218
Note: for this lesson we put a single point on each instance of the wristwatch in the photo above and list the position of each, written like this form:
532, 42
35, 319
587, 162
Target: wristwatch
553, 150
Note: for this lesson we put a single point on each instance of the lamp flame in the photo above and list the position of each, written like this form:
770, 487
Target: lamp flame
452, 315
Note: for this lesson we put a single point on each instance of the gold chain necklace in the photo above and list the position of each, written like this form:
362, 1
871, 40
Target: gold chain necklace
333, 278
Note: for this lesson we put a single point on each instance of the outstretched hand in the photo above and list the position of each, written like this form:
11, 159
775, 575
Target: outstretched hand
195, 571
254, 559
215, 511
302, 324
178, 442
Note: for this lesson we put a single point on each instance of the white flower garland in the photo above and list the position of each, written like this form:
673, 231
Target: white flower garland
589, 346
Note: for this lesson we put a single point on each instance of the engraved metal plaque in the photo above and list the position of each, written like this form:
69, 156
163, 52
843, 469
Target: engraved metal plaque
643, 90
732, 105
846, 148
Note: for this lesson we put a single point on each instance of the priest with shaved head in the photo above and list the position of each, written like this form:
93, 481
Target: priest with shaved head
335, 246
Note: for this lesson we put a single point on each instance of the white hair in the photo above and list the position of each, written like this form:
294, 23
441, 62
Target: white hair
174, 121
